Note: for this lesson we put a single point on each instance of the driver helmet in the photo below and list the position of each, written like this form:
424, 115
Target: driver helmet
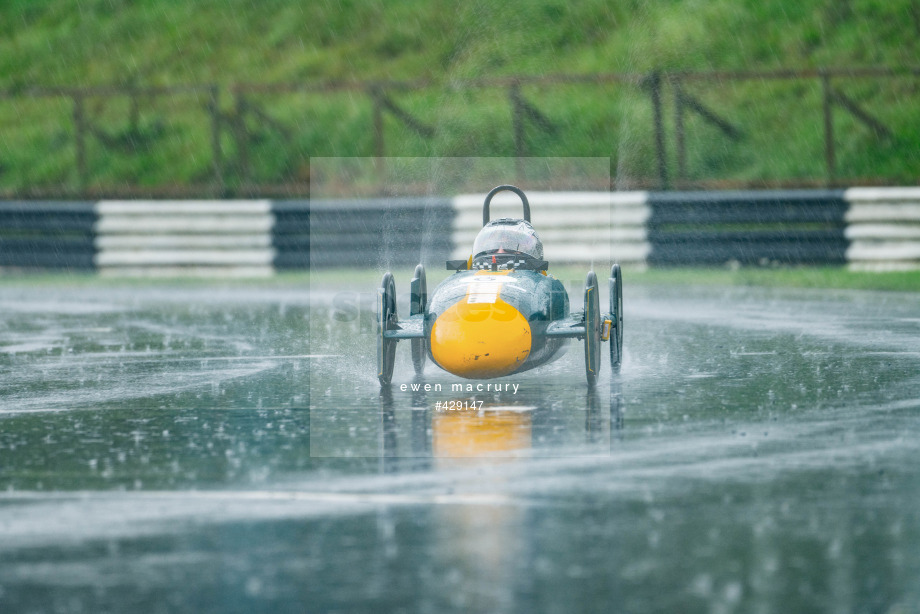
508, 235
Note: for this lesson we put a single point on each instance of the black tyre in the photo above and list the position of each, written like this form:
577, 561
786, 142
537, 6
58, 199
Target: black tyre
592, 329
616, 310
418, 304
386, 320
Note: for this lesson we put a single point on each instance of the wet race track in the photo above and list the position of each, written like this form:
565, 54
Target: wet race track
217, 450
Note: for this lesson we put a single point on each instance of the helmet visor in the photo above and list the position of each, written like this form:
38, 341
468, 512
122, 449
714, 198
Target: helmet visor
518, 237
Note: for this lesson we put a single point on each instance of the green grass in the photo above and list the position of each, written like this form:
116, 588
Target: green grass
793, 277
169, 42
788, 277
797, 277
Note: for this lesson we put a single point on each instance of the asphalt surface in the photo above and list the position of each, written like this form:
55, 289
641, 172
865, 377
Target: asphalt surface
229, 450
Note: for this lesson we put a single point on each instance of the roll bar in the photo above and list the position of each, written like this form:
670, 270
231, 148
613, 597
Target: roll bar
505, 188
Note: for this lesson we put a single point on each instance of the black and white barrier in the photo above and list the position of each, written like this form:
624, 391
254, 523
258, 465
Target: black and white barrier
367, 232
575, 227
883, 228
865, 228
748, 228
185, 238
47, 235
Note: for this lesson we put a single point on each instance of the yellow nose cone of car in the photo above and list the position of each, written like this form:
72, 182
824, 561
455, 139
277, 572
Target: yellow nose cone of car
480, 339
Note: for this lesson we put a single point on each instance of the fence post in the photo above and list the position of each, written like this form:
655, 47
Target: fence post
376, 94
655, 85
379, 144
679, 129
79, 122
829, 153
216, 155
517, 128
135, 111
241, 134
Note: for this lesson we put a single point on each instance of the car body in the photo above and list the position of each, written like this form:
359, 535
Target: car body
501, 312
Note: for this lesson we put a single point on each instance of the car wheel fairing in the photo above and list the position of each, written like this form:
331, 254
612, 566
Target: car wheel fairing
592, 329
418, 304
386, 320
616, 310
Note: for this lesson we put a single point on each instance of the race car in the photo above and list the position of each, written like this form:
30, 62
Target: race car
500, 313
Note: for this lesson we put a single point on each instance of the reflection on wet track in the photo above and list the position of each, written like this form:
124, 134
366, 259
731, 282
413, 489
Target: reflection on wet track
221, 451
459, 429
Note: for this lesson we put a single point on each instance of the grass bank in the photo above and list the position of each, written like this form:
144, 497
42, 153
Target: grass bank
167, 142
